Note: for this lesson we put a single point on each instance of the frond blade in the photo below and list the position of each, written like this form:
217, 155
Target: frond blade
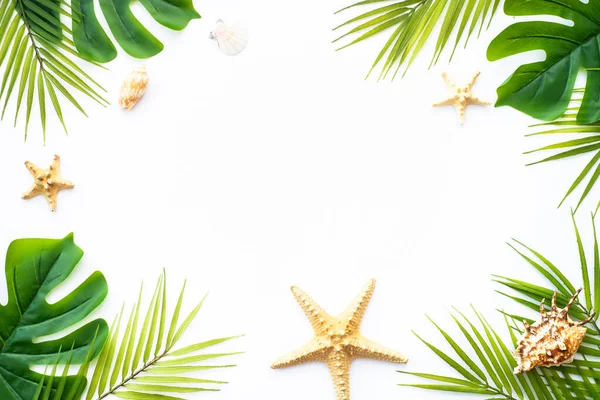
42, 101
129, 395
174, 318
452, 363
414, 24
201, 346
186, 323
154, 319
127, 365
584, 268
145, 330
163, 316
120, 360
112, 346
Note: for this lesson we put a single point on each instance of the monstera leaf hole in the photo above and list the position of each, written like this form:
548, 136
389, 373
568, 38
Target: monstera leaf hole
34, 268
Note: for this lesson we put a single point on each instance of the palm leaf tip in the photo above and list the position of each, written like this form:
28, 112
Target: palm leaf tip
147, 364
412, 23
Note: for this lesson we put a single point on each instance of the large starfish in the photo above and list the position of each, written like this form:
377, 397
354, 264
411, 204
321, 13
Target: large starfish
462, 97
47, 182
338, 340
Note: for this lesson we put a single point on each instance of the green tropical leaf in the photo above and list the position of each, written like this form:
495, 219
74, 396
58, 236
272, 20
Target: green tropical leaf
94, 44
491, 354
543, 89
410, 24
34, 267
36, 57
492, 357
146, 366
60, 393
581, 140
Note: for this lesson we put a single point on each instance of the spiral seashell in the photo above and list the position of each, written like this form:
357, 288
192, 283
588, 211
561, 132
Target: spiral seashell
232, 39
133, 88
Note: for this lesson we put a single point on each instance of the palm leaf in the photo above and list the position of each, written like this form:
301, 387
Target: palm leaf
139, 364
483, 351
576, 139
45, 389
410, 24
489, 354
36, 57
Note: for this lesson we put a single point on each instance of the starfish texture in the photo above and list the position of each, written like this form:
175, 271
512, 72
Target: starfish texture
463, 96
47, 182
338, 340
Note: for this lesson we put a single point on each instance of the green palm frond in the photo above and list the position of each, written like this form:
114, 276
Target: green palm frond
484, 360
37, 56
580, 139
411, 23
49, 390
141, 361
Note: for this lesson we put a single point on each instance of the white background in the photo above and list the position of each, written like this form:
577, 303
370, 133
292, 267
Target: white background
283, 166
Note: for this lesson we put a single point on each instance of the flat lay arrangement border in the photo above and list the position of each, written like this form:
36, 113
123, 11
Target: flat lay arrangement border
48, 51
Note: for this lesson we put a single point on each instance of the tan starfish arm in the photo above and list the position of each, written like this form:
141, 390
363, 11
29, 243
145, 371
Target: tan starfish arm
339, 366
33, 169
55, 166
461, 109
447, 102
479, 102
354, 314
361, 347
63, 184
319, 319
310, 352
51, 195
34, 191
473, 79
448, 80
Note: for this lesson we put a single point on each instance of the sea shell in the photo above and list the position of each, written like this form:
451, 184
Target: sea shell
133, 88
552, 341
232, 39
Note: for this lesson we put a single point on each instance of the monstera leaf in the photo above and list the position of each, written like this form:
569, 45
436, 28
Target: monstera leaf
94, 44
34, 267
543, 89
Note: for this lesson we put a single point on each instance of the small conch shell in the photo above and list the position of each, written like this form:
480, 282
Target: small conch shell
232, 39
551, 341
133, 88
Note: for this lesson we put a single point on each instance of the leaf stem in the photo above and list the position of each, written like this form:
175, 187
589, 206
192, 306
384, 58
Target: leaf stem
134, 375
25, 20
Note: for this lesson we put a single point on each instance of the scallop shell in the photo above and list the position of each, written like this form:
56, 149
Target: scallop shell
232, 39
551, 341
133, 88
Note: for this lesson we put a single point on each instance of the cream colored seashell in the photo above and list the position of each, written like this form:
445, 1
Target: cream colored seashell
232, 39
133, 88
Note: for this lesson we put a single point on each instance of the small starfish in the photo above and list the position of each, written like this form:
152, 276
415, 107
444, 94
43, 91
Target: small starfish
338, 340
47, 182
463, 96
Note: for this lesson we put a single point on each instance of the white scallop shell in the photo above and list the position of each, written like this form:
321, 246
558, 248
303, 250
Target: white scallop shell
232, 39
